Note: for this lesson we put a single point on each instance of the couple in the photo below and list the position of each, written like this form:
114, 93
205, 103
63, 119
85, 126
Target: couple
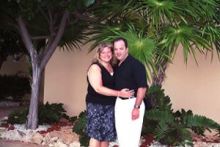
127, 81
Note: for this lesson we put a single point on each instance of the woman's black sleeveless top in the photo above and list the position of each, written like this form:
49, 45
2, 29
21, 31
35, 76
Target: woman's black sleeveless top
107, 81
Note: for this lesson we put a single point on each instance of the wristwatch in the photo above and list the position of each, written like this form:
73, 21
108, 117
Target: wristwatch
137, 106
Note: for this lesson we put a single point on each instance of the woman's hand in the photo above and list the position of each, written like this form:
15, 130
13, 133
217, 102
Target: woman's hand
126, 93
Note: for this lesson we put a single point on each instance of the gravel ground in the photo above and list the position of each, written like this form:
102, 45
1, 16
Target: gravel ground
9, 143
10, 140
10, 135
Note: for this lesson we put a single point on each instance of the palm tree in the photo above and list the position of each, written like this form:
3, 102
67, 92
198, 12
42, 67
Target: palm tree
161, 26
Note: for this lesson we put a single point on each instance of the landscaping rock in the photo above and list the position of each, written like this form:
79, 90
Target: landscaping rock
37, 138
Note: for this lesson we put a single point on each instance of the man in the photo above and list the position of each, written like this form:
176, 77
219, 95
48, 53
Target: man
129, 113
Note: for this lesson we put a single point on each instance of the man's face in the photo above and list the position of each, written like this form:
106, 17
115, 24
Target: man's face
121, 52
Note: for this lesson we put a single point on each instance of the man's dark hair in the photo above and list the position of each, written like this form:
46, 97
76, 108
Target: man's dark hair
121, 38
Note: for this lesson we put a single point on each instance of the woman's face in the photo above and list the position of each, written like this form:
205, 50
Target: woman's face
106, 54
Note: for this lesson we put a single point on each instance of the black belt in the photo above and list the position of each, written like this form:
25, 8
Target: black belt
122, 98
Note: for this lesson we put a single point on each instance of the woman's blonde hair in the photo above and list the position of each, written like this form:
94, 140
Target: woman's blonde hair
100, 48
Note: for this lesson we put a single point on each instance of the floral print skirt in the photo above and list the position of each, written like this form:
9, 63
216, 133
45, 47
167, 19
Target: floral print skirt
100, 122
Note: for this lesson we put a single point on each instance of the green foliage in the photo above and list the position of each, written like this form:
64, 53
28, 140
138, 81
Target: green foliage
43, 19
79, 128
44, 25
18, 116
14, 86
191, 24
140, 46
73, 119
48, 113
169, 127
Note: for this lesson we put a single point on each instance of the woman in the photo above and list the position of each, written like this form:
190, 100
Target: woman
101, 97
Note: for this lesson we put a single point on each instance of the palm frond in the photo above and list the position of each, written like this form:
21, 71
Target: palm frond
175, 136
160, 11
114, 9
161, 116
173, 128
73, 37
200, 121
197, 10
139, 46
212, 34
102, 34
186, 36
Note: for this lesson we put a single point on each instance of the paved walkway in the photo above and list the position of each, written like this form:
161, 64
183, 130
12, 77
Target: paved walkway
7, 143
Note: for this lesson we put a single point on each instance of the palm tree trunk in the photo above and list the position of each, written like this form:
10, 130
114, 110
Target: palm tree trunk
160, 77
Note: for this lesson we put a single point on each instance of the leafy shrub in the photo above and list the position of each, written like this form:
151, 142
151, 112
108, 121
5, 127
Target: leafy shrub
73, 119
14, 86
169, 127
18, 116
79, 128
48, 113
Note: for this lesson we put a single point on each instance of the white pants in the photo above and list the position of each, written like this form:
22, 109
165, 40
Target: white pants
128, 130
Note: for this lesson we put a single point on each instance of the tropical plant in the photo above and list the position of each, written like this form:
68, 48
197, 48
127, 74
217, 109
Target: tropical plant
168, 25
18, 116
43, 26
170, 127
48, 114
161, 26
79, 128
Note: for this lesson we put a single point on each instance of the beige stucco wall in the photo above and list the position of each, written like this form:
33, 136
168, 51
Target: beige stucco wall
11, 67
190, 87
195, 87
65, 79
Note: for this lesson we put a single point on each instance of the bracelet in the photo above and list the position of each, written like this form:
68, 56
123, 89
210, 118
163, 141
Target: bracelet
137, 106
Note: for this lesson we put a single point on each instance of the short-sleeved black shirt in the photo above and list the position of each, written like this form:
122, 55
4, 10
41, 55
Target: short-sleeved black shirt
108, 81
130, 74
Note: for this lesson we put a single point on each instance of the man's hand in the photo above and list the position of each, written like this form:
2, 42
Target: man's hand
126, 93
135, 114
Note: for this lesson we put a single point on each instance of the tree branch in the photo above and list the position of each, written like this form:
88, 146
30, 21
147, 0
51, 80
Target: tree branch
51, 22
26, 39
39, 37
48, 52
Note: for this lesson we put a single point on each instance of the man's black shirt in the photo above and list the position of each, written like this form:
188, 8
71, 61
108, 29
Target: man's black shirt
130, 74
